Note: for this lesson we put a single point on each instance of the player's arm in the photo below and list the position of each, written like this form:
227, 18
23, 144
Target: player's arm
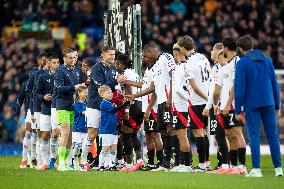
110, 108
197, 90
275, 86
99, 80
146, 91
60, 86
134, 83
169, 100
229, 102
153, 100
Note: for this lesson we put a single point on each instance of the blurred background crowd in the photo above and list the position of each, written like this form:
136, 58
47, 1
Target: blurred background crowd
163, 21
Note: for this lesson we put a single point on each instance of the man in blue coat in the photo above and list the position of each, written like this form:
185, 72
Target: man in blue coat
257, 90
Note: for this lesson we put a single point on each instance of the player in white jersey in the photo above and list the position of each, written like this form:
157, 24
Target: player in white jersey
133, 115
180, 104
160, 84
198, 68
149, 108
215, 129
225, 94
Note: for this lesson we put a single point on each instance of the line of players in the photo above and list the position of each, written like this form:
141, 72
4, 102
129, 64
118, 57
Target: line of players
179, 93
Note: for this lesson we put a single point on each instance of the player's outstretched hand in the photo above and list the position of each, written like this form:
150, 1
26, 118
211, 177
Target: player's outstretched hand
129, 97
120, 78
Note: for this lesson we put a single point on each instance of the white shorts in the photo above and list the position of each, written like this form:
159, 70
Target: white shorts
37, 117
45, 123
78, 137
53, 118
107, 139
93, 117
28, 118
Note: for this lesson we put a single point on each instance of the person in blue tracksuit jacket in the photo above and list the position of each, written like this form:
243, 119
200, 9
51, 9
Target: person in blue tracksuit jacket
257, 90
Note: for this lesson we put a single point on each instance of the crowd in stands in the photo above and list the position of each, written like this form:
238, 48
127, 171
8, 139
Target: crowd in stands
163, 21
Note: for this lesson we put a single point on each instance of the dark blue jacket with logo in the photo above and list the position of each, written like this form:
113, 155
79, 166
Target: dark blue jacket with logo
101, 74
45, 86
65, 80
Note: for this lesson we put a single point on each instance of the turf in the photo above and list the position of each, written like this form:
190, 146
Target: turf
13, 177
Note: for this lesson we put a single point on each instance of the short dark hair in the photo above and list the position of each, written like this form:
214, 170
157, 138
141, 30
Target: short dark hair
89, 62
186, 42
107, 48
52, 56
245, 42
67, 51
41, 55
123, 59
230, 43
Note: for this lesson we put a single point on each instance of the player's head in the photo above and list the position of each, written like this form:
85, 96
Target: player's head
178, 55
229, 45
41, 59
151, 54
75, 57
52, 62
68, 57
108, 55
87, 64
215, 50
122, 62
186, 44
221, 57
105, 92
244, 44
82, 92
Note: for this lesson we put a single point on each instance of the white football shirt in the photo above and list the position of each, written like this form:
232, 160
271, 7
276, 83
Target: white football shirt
225, 79
212, 81
147, 79
180, 88
162, 78
131, 75
198, 68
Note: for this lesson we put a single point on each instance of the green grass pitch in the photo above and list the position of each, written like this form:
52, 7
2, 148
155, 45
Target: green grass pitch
11, 176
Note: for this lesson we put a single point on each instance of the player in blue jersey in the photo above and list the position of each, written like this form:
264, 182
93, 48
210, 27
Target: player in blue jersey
43, 91
66, 81
31, 118
23, 99
108, 131
103, 73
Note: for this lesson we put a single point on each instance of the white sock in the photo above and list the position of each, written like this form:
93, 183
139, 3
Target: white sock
102, 158
26, 145
208, 164
53, 147
33, 146
44, 151
121, 162
38, 152
112, 158
86, 149
241, 166
76, 152
225, 166
202, 165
